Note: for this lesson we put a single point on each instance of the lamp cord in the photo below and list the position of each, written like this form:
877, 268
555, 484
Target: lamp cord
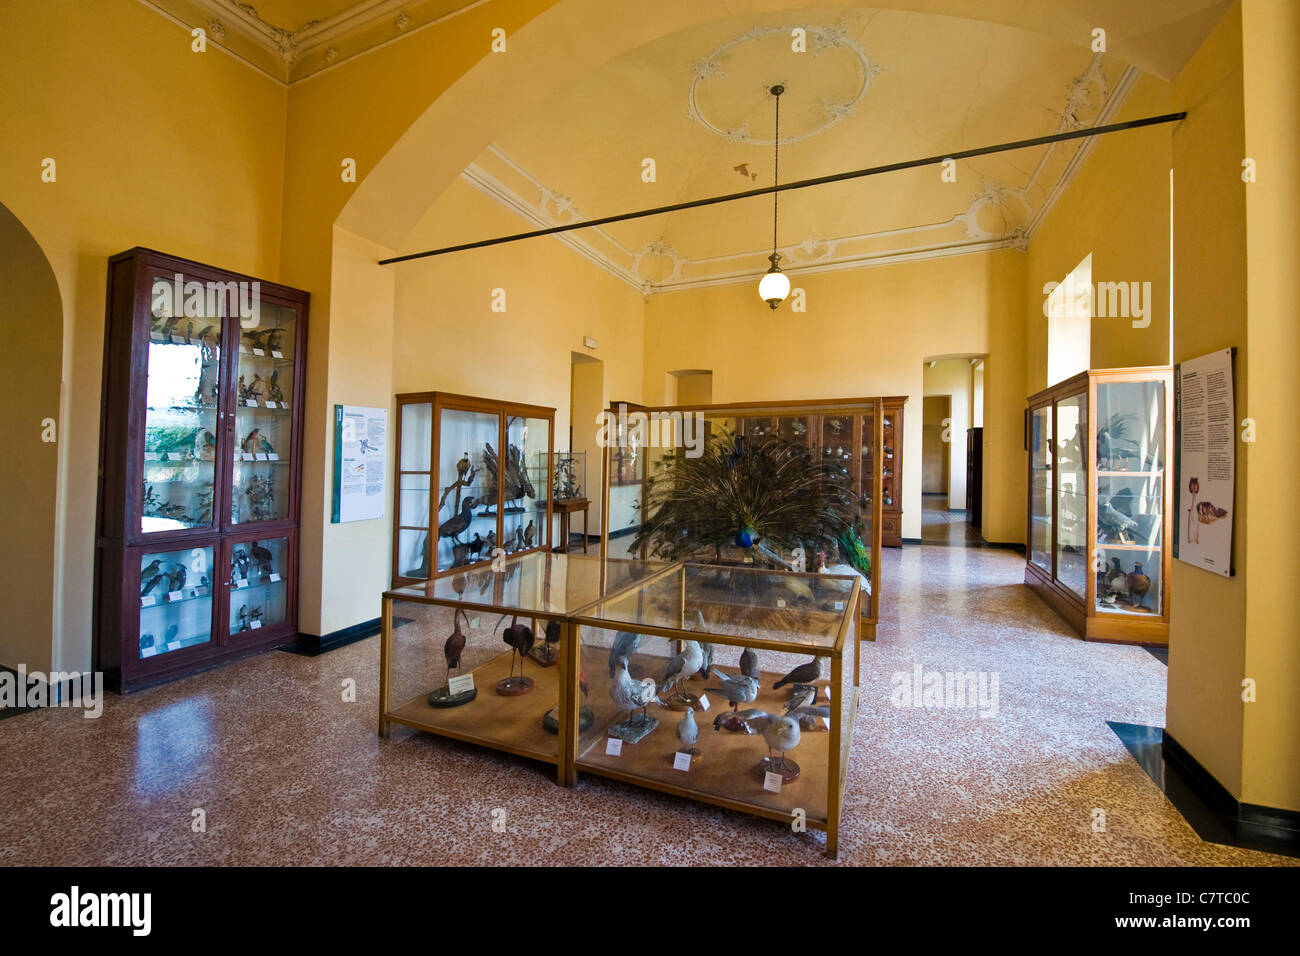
776, 167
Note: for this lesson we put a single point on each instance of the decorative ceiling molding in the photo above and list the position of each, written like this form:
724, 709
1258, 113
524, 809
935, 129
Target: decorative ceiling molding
712, 67
997, 217
288, 53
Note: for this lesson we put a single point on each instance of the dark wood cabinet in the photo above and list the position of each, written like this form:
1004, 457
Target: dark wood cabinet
200, 468
891, 474
975, 476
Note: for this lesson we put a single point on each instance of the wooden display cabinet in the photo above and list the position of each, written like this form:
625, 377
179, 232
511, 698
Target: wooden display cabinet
732, 609
200, 464
1100, 513
891, 473
473, 475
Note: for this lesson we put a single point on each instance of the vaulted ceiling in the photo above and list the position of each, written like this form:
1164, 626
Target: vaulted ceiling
873, 87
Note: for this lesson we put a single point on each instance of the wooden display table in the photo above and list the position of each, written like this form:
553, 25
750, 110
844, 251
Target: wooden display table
565, 507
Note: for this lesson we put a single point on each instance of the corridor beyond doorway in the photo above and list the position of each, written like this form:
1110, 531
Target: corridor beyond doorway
939, 525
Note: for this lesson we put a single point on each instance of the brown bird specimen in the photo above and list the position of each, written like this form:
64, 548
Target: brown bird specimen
1138, 585
454, 526
749, 662
803, 674
520, 638
455, 644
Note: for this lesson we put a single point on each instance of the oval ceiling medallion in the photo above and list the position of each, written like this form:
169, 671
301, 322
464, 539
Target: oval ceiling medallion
729, 87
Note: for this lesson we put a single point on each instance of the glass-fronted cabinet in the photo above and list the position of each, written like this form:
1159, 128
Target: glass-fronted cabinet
199, 449
474, 478
1099, 489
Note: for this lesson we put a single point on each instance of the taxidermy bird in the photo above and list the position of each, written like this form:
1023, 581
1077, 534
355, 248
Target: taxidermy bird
170, 635
624, 646
149, 571
273, 338
811, 718
152, 583
803, 674
250, 443
1116, 580
738, 689
1115, 523
490, 542
681, 666
765, 493
801, 698
631, 695
263, 557
800, 588
273, 392
456, 525
205, 445
1112, 442
520, 638
749, 662
707, 652
176, 579
528, 534
1138, 585
554, 630
688, 731
462, 466
781, 734
455, 645
255, 390
476, 545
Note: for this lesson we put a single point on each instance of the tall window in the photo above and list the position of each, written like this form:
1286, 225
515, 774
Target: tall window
1069, 324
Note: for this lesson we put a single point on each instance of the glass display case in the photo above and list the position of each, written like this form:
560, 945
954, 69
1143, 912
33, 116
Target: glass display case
845, 437
1098, 509
481, 654
569, 480
469, 482
747, 686
199, 447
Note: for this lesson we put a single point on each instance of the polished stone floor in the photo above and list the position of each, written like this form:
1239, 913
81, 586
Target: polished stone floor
286, 772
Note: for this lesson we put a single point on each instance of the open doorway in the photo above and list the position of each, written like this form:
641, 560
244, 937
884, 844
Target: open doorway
952, 451
586, 402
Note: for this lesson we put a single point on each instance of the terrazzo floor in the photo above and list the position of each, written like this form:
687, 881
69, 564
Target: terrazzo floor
288, 773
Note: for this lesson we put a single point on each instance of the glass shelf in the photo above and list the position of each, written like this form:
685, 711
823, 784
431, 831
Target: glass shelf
175, 600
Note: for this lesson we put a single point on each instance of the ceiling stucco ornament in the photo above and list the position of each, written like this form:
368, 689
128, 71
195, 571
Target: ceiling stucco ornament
216, 29
734, 79
1084, 98
331, 54
812, 249
557, 207
995, 212
402, 22
659, 249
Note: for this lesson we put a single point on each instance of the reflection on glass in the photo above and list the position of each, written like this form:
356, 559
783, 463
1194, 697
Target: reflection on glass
175, 600
263, 416
1040, 491
180, 422
1072, 493
258, 592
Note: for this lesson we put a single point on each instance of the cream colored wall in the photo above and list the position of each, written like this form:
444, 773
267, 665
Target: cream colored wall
588, 396
1117, 209
952, 377
1271, 726
866, 332
156, 146
447, 338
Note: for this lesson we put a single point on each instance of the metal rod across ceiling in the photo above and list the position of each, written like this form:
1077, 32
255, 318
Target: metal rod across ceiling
799, 184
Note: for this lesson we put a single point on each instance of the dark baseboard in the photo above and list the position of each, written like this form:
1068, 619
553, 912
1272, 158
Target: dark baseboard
311, 645
1206, 805
617, 534
53, 692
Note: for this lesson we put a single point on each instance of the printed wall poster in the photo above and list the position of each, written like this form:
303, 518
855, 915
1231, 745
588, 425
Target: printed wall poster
360, 456
1205, 474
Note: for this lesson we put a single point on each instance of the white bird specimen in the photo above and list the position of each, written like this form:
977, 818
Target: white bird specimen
782, 735
688, 731
629, 694
738, 689
799, 586
681, 666
625, 645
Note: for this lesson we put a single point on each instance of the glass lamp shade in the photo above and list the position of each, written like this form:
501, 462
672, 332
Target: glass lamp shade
774, 286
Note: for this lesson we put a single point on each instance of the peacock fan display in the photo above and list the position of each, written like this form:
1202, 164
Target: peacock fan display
764, 493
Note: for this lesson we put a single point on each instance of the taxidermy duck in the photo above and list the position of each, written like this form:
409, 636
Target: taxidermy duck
1138, 584
456, 525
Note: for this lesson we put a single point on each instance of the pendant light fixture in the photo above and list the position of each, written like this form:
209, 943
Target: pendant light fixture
775, 284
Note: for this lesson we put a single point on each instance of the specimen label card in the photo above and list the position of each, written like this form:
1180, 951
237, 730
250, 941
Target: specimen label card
1205, 433
681, 761
613, 746
360, 458
772, 781
275, 576
704, 702
461, 684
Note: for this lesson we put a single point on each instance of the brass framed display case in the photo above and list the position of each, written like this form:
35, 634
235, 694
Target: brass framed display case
481, 654
200, 468
844, 434
752, 690
1100, 502
473, 476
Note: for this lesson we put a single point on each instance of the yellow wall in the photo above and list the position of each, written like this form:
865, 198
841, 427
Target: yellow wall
1271, 731
866, 332
156, 146
1207, 612
1117, 209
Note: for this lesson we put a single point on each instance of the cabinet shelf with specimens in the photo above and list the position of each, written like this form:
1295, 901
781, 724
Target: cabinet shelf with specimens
200, 458
1099, 511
